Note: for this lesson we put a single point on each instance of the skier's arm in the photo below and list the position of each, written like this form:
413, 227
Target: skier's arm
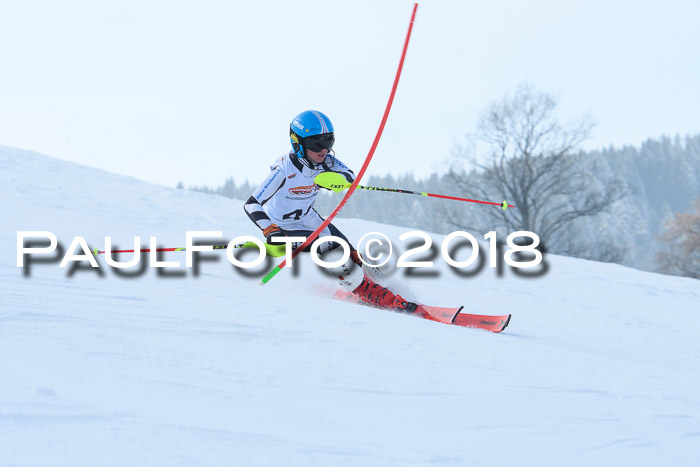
267, 189
339, 167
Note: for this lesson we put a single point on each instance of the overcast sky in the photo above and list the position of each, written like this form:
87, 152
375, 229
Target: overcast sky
199, 91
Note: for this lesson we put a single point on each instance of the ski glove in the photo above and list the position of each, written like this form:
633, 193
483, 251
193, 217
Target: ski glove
356, 257
273, 231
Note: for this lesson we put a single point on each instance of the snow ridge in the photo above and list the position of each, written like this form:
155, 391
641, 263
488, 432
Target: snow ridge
599, 366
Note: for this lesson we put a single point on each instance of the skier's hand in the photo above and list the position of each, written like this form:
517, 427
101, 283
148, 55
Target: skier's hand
356, 257
273, 231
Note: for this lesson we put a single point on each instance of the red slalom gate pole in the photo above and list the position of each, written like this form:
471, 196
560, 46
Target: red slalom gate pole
354, 185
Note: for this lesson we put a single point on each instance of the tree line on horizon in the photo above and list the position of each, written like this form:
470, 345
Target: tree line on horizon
629, 205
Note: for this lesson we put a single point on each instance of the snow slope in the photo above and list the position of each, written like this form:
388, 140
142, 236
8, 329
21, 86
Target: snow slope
600, 365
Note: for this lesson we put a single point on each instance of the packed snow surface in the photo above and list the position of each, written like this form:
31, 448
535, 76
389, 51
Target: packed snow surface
599, 366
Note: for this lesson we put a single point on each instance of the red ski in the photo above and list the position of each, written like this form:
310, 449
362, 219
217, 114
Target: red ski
443, 315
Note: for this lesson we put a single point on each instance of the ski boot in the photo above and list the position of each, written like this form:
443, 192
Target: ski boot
376, 295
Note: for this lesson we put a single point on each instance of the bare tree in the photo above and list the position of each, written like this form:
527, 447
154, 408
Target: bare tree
533, 162
682, 235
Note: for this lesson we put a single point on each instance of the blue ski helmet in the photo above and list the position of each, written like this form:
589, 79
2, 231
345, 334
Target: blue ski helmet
311, 130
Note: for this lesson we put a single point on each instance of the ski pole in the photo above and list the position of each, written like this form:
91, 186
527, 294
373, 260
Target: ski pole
337, 182
271, 250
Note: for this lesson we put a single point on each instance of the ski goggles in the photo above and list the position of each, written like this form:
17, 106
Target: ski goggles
316, 143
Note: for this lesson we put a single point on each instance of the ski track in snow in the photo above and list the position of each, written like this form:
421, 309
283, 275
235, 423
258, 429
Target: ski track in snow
600, 364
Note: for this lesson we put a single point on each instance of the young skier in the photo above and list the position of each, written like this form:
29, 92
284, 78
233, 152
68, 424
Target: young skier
283, 204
